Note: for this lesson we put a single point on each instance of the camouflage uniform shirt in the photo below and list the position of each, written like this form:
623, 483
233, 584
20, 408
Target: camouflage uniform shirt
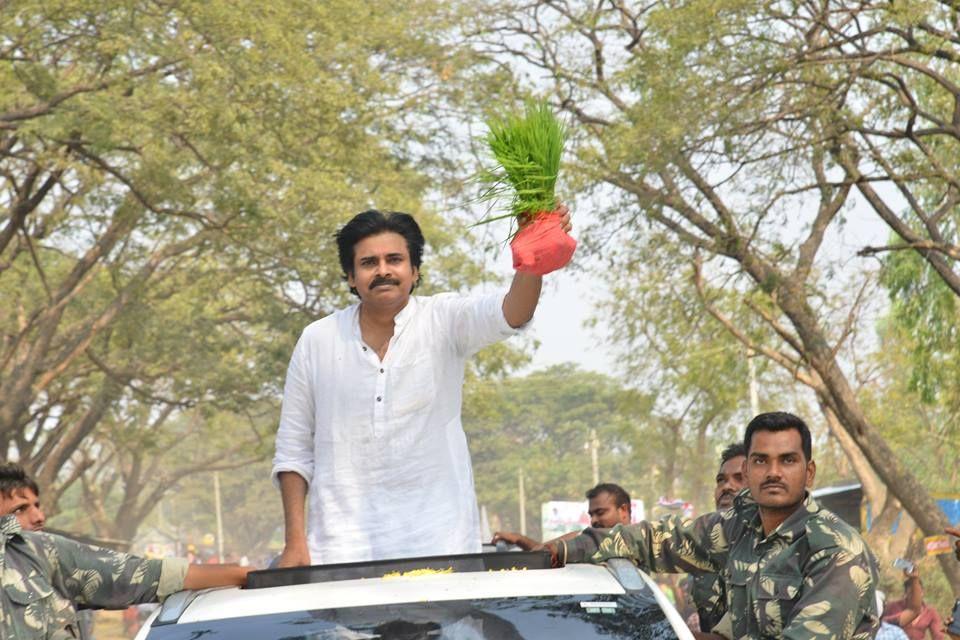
43, 575
710, 598
813, 577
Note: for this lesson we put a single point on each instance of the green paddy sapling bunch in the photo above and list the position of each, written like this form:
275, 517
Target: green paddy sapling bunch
527, 147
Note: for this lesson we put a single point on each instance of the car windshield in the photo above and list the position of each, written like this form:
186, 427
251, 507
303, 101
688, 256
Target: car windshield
610, 617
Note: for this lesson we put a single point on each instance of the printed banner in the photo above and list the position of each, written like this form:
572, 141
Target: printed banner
559, 517
936, 545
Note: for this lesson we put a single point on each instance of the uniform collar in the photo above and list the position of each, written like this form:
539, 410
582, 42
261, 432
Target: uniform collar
789, 529
9, 526
794, 526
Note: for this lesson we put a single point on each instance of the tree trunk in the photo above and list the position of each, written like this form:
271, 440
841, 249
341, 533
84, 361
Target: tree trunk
842, 401
874, 491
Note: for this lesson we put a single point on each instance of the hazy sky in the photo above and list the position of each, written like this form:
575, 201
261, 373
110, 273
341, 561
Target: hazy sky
569, 297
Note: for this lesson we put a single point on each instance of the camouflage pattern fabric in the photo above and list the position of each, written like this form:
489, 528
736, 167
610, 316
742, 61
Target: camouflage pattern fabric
811, 578
710, 597
44, 574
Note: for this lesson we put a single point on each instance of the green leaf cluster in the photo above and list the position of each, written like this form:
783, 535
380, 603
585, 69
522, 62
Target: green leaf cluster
200, 156
527, 147
925, 314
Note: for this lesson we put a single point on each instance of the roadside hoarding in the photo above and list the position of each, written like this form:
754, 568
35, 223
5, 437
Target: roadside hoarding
559, 517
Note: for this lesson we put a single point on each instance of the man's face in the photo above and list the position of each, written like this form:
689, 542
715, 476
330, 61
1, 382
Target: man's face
24, 504
382, 272
729, 482
777, 471
604, 512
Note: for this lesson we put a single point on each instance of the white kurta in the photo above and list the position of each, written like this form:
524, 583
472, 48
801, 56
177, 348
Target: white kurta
381, 444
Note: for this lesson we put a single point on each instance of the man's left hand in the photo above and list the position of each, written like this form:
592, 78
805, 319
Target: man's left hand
552, 547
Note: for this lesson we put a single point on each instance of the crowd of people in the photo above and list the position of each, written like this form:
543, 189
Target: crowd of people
370, 433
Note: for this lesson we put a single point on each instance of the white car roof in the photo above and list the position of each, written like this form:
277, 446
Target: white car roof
430, 587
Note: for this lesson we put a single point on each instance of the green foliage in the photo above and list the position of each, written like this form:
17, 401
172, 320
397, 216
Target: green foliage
925, 314
527, 148
174, 176
742, 132
541, 423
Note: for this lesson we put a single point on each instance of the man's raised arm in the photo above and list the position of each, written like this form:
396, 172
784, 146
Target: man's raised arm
521, 301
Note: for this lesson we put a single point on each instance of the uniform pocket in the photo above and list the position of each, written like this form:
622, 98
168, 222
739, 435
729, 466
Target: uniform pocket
37, 606
776, 596
25, 590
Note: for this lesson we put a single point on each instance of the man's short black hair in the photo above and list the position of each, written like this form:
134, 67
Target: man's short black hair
372, 223
780, 421
620, 496
732, 451
13, 477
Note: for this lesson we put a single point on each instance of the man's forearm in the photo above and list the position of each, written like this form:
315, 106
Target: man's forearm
215, 575
293, 492
913, 602
577, 549
521, 301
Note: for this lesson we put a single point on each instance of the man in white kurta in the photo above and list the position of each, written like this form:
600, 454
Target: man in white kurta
370, 429
380, 443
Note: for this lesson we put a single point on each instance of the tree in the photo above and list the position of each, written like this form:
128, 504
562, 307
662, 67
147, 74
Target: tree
698, 373
541, 423
170, 179
714, 122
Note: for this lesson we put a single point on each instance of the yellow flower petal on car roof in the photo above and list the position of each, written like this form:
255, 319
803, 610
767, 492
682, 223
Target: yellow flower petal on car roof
416, 572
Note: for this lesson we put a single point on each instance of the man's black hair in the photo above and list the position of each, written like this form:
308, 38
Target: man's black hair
13, 477
620, 496
372, 223
732, 451
780, 421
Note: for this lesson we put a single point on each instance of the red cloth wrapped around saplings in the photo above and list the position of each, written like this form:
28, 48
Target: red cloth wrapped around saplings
542, 246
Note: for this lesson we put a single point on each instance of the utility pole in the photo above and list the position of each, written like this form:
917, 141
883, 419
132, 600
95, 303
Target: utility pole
523, 503
595, 456
216, 500
754, 395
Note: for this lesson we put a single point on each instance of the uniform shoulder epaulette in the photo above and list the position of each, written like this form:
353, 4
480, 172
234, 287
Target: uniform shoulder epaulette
825, 530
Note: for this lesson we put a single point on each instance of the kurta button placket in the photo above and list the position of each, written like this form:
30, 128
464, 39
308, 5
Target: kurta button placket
380, 391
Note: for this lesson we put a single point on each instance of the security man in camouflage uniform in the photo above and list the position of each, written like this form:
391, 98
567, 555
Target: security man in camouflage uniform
792, 569
42, 574
707, 590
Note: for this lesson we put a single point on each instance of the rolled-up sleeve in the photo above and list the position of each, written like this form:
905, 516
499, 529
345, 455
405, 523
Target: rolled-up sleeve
173, 572
294, 444
475, 321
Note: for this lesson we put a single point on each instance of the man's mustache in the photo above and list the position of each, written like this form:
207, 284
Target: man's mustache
379, 280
